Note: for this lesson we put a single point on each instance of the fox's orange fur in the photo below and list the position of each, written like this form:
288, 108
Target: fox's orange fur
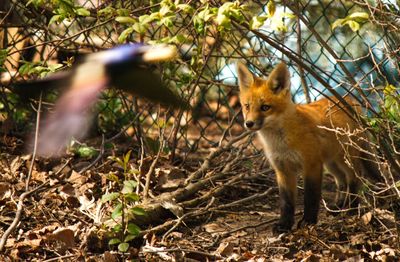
296, 143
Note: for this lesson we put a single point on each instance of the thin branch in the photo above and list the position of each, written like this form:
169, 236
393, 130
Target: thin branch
153, 164
38, 112
18, 215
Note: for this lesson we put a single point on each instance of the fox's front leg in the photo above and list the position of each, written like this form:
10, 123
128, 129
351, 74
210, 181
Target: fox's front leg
287, 183
312, 177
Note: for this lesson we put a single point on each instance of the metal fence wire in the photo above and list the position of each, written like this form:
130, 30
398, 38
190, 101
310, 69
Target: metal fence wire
39, 37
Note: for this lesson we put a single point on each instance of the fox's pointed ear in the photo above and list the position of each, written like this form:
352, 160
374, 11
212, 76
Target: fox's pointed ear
246, 78
279, 79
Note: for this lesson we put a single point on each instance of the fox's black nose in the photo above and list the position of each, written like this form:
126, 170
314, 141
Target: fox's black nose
249, 124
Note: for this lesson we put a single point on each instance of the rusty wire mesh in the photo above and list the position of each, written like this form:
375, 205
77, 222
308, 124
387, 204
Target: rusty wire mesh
345, 61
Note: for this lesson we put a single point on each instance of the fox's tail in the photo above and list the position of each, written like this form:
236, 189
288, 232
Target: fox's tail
371, 167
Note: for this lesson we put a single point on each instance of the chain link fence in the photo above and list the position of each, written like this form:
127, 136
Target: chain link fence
39, 37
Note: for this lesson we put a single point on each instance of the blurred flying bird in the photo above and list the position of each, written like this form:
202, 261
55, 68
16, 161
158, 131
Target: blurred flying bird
122, 67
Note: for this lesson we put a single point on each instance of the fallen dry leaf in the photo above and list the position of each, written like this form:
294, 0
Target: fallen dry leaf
64, 237
109, 257
39, 176
224, 249
169, 179
5, 191
366, 218
77, 179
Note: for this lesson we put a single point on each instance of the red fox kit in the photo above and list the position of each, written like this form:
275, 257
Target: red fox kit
295, 144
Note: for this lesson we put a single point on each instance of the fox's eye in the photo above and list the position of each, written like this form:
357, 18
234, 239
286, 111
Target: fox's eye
246, 106
265, 107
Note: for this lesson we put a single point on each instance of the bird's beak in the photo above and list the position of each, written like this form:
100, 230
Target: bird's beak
159, 53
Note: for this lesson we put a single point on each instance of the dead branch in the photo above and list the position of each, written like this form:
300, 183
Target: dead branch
199, 212
153, 164
214, 154
38, 112
18, 215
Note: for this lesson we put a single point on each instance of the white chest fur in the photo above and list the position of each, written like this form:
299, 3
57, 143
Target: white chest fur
278, 152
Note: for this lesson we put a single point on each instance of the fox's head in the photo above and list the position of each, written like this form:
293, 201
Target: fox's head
264, 100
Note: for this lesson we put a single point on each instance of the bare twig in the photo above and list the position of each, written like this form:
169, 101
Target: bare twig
18, 215
212, 256
213, 154
38, 112
153, 164
20, 206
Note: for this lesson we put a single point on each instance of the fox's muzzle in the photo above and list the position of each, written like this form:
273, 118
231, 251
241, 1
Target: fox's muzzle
253, 124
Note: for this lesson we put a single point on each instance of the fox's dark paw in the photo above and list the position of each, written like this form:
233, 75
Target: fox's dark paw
280, 228
306, 222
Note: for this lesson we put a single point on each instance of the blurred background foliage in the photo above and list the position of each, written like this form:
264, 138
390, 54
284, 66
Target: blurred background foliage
333, 47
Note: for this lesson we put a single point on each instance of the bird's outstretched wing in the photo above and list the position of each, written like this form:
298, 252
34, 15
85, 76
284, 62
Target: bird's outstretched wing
123, 67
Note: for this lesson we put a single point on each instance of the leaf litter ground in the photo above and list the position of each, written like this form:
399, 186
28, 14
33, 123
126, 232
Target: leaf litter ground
63, 220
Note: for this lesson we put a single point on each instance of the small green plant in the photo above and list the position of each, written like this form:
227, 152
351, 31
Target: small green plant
389, 119
124, 203
354, 21
62, 9
38, 68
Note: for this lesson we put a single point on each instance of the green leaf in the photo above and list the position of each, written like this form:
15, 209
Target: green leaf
132, 197
125, 34
139, 28
205, 15
114, 241
129, 186
271, 8
353, 21
86, 151
117, 160
123, 12
167, 21
109, 197
123, 247
54, 67
117, 212
337, 23
288, 15
353, 25
129, 238
55, 18
112, 177
164, 10
26, 68
125, 20
133, 229
389, 89
257, 21
138, 211
185, 8
133, 171
127, 156
3, 56
359, 17
223, 21
145, 19
106, 12
117, 228
82, 12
